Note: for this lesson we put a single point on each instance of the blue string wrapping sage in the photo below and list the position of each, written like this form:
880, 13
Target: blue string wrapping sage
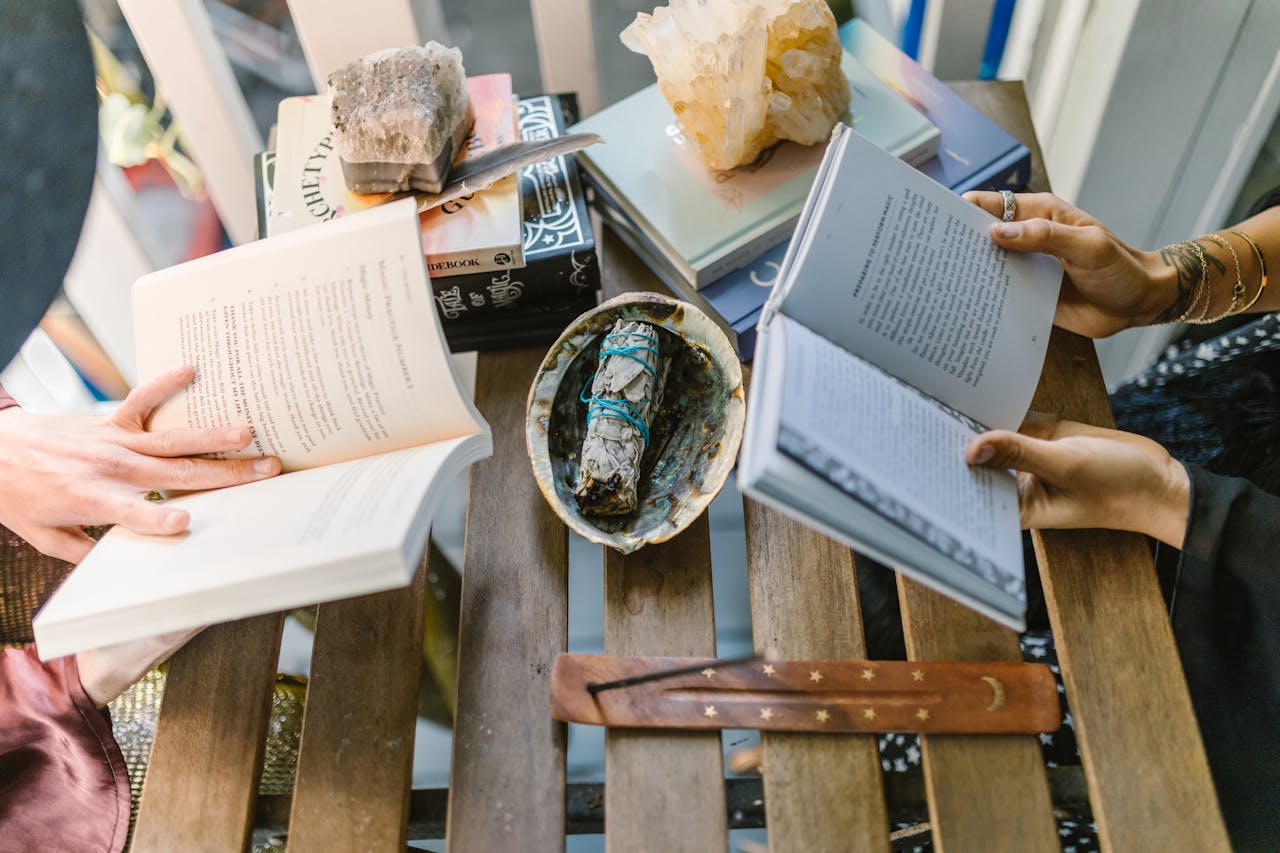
621, 400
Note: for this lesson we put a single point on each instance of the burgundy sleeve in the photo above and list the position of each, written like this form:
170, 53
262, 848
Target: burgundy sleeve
6, 402
63, 781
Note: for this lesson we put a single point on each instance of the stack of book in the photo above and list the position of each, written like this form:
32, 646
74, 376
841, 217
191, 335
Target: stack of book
511, 265
718, 238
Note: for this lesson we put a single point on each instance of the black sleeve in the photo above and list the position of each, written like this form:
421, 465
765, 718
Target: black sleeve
1225, 611
1233, 535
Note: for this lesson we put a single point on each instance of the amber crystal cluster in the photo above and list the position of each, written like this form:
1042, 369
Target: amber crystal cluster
741, 75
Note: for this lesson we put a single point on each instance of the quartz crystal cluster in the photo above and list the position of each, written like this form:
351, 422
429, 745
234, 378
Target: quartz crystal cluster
743, 74
399, 116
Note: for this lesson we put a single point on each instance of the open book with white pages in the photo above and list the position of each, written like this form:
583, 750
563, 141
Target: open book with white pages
325, 342
896, 333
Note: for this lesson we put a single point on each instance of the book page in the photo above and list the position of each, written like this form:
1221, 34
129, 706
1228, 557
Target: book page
325, 342
899, 270
899, 452
304, 537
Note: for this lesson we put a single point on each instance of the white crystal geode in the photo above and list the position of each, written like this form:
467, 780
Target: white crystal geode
741, 75
399, 116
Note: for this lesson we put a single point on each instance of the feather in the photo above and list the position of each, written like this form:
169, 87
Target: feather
479, 172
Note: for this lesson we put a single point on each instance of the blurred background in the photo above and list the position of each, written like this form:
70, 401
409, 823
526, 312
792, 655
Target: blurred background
1157, 116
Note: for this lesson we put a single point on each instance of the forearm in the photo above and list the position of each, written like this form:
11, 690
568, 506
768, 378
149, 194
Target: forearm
1218, 274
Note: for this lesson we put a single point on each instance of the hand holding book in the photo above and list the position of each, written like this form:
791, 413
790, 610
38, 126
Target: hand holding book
1074, 475
62, 473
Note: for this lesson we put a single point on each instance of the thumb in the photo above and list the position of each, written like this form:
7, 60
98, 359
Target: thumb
1077, 245
1003, 449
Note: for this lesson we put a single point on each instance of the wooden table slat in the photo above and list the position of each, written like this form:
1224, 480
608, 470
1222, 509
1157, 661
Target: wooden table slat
822, 792
202, 778
988, 792
1149, 784
508, 773
355, 760
663, 790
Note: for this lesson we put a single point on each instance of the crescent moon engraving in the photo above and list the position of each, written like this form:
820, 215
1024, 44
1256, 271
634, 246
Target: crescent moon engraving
997, 693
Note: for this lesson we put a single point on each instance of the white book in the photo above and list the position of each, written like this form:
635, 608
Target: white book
896, 333
326, 343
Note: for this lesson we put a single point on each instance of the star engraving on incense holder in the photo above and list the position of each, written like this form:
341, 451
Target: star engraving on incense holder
805, 695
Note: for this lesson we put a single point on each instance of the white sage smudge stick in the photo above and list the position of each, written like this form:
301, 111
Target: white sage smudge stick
621, 402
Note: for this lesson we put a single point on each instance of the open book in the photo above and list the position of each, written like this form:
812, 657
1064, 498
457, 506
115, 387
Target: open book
897, 332
326, 343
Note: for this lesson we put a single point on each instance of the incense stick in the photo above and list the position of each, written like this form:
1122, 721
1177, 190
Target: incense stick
596, 687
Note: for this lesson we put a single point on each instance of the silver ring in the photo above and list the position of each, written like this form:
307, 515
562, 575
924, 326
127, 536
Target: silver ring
1010, 205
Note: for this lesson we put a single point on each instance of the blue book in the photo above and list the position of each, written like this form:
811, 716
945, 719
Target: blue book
733, 301
974, 152
707, 224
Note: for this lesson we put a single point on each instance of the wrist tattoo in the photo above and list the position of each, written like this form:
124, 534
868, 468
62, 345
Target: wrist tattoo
1186, 260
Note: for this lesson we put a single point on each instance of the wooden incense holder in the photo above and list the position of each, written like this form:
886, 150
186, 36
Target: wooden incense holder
804, 695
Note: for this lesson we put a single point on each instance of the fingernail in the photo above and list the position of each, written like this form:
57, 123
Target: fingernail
1008, 229
174, 518
984, 454
236, 436
182, 371
265, 466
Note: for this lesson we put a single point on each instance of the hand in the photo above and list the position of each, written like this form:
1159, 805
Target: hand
1072, 475
62, 473
1109, 286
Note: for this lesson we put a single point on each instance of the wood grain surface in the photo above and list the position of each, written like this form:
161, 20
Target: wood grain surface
1149, 784
985, 793
508, 772
663, 790
355, 760
822, 792
202, 779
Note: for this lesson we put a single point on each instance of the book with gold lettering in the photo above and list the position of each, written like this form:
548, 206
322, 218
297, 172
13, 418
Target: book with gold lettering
325, 343
896, 333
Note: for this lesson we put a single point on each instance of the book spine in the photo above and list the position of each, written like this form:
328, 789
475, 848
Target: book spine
521, 328
547, 283
487, 260
1011, 172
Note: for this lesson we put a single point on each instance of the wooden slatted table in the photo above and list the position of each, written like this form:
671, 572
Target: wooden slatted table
1148, 785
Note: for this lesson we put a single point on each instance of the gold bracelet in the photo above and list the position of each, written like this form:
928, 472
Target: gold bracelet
1202, 289
1237, 290
1262, 268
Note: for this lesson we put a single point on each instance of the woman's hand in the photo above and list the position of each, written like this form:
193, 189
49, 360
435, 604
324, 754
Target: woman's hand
1109, 286
1072, 475
61, 473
